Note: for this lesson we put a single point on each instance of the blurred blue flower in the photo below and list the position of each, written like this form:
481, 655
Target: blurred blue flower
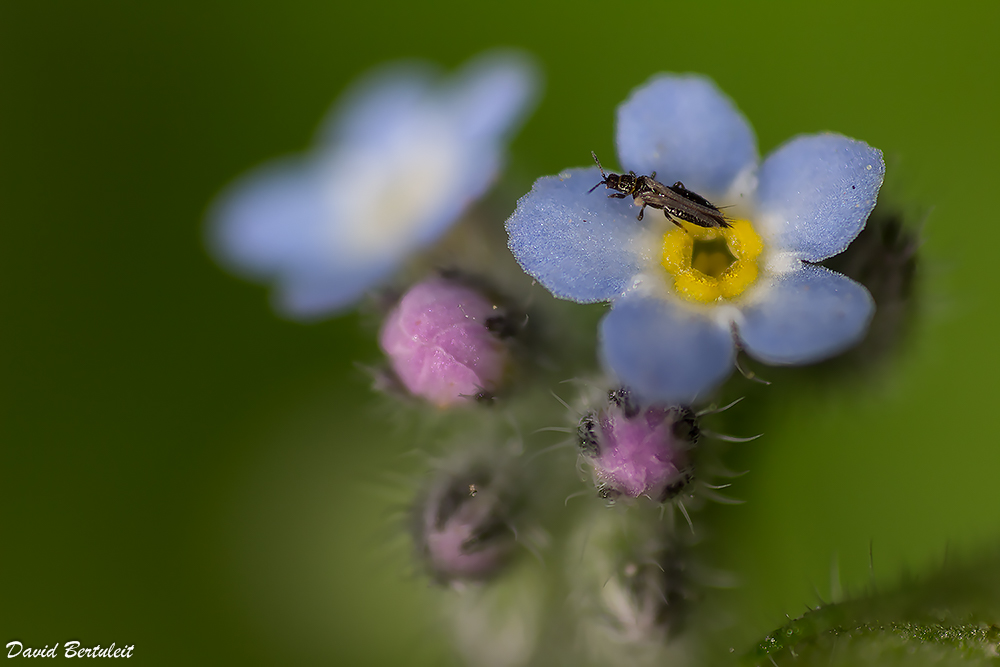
686, 299
398, 161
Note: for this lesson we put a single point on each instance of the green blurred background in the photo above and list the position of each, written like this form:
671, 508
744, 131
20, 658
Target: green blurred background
185, 472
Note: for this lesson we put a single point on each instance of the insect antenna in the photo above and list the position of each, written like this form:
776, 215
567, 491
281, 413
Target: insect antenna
594, 155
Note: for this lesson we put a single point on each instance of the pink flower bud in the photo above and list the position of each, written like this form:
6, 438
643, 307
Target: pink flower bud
462, 526
639, 451
440, 344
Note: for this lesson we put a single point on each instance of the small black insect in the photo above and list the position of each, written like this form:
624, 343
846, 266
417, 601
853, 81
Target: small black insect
676, 201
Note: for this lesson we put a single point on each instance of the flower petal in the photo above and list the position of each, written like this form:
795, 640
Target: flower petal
582, 247
815, 192
278, 223
493, 93
483, 101
403, 196
665, 352
384, 97
270, 220
806, 316
313, 296
685, 129
400, 158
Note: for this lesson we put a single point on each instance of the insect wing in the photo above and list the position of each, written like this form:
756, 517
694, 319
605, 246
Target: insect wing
653, 185
679, 188
681, 207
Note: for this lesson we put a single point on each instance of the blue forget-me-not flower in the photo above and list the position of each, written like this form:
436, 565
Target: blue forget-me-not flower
398, 161
686, 298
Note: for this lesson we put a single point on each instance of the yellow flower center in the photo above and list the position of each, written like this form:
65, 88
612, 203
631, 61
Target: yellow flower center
709, 264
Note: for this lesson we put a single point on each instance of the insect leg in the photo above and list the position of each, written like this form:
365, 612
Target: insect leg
675, 221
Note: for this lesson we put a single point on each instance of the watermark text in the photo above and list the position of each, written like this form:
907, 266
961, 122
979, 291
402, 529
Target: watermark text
71, 649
